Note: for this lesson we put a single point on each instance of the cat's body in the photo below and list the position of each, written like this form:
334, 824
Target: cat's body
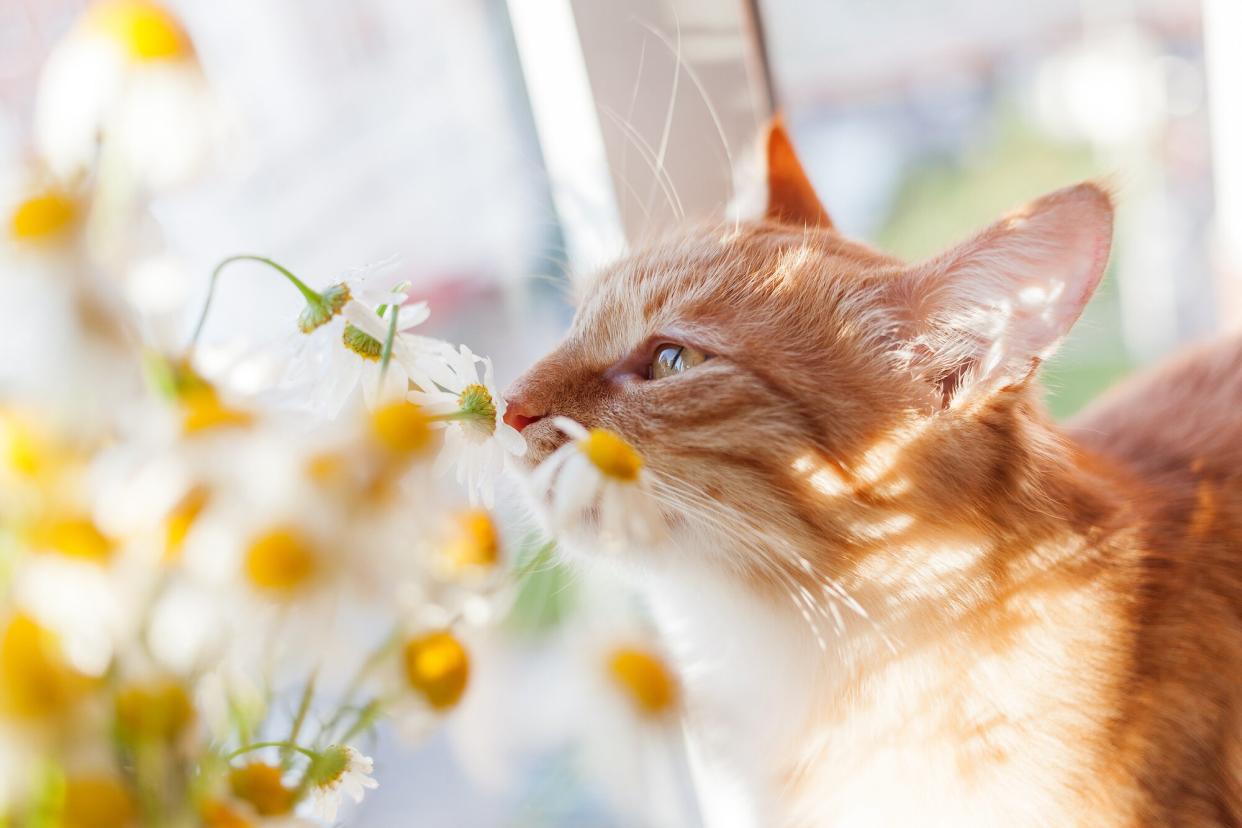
898, 594
1123, 706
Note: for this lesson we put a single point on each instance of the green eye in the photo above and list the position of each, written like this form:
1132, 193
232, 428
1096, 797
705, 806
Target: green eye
673, 359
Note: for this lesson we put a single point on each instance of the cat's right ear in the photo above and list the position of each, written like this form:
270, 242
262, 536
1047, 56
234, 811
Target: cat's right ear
791, 199
983, 315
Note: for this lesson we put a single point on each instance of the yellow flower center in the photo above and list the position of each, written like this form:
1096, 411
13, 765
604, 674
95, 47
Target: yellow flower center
362, 343
202, 410
438, 667
74, 537
156, 712
97, 802
262, 786
280, 561
401, 427
611, 454
644, 679
144, 30
43, 216
477, 409
180, 520
475, 542
35, 681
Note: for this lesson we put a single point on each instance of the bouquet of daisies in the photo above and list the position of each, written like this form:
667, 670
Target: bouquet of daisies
208, 601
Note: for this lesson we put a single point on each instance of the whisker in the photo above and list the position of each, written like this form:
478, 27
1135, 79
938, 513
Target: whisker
647, 153
702, 90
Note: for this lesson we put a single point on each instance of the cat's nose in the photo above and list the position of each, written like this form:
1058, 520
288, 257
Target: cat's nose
518, 414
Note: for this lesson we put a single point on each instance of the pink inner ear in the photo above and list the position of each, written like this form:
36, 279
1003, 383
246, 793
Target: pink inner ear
984, 311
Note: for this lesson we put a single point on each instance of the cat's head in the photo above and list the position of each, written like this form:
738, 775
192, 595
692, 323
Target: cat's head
794, 392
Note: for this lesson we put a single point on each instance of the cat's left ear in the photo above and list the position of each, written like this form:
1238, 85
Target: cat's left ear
791, 198
984, 315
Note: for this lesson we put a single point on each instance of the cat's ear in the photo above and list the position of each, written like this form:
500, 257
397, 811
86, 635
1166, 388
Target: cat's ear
984, 315
791, 199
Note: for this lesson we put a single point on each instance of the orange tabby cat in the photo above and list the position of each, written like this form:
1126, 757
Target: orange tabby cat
897, 592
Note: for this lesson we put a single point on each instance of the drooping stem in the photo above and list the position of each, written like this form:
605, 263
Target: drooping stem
283, 745
307, 293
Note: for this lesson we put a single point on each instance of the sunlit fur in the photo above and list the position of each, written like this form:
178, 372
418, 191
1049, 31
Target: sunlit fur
898, 593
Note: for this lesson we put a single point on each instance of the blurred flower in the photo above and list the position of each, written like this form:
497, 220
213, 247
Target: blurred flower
474, 542
158, 711
437, 667
598, 476
478, 441
340, 770
96, 800
644, 680
401, 428
72, 329
630, 742
262, 787
44, 216
143, 30
124, 82
35, 679
343, 345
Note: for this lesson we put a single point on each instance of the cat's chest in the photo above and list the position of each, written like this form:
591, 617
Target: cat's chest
782, 736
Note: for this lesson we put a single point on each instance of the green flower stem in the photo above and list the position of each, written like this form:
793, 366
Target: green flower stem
386, 356
284, 745
372, 661
299, 718
308, 294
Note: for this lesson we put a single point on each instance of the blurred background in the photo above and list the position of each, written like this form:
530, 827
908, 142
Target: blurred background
491, 149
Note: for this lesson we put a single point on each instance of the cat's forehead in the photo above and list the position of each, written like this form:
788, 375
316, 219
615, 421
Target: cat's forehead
714, 277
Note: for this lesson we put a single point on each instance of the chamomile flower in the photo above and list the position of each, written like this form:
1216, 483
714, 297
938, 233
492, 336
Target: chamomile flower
340, 770
471, 410
125, 82
68, 326
428, 673
597, 478
342, 346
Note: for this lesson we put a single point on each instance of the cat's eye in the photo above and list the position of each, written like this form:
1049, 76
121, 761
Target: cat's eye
674, 359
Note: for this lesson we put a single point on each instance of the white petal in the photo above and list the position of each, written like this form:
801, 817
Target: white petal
366, 320
575, 490
413, 314
543, 477
570, 427
508, 438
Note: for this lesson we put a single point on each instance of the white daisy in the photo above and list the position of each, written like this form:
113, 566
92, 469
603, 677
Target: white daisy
342, 344
597, 479
341, 770
477, 439
125, 82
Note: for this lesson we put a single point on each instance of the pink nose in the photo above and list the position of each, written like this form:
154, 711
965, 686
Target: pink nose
519, 415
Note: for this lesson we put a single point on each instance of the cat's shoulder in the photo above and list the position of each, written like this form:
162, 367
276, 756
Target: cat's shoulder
1183, 415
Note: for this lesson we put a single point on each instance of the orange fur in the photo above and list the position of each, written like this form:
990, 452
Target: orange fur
901, 594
